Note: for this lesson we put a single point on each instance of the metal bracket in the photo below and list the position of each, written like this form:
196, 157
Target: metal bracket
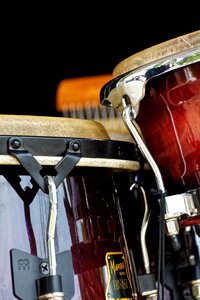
26, 268
34, 169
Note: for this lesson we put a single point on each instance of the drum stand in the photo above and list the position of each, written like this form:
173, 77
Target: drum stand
184, 253
149, 292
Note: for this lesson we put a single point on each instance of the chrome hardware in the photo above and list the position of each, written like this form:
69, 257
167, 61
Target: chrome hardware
50, 287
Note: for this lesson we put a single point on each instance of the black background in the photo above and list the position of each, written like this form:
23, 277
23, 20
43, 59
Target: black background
40, 46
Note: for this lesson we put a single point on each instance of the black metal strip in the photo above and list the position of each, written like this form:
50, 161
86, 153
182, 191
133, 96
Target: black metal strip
90, 148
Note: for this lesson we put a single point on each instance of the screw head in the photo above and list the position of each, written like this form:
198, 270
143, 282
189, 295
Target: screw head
75, 146
44, 268
15, 144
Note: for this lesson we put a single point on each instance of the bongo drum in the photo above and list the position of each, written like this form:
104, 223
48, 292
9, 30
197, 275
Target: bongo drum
60, 227
158, 93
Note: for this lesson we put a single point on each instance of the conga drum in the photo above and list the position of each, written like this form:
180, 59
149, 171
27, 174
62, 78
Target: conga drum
158, 93
61, 229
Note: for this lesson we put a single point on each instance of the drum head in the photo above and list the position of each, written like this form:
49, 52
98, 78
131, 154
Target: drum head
51, 127
157, 52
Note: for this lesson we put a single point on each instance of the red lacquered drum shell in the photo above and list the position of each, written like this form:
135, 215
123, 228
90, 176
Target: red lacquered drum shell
169, 118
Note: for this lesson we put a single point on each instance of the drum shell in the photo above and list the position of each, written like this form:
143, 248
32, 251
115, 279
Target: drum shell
169, 120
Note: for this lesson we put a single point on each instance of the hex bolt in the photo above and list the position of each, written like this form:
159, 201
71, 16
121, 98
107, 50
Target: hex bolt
76, 146
15, 144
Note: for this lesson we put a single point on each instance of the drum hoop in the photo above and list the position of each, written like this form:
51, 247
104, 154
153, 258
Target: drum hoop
52, 146
49, 151
133, 83
155, 52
